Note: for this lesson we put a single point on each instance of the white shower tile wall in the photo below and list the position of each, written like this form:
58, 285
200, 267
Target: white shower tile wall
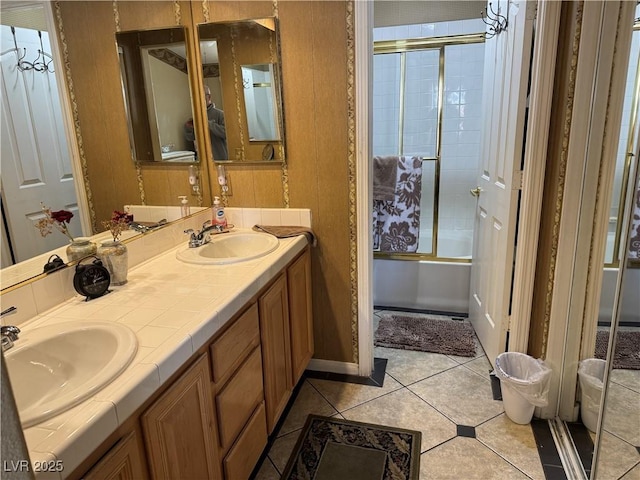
425, 30
462, 123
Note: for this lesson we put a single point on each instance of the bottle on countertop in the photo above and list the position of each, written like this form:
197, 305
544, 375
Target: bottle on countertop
218, 213
185, 210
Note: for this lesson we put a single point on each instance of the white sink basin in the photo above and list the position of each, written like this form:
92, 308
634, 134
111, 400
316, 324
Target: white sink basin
55, 367
230, 247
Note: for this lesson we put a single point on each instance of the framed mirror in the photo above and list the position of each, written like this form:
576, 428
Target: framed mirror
241, 72
156, 93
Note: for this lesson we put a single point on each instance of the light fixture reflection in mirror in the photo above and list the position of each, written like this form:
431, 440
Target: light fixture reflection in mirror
156, 93
243, 54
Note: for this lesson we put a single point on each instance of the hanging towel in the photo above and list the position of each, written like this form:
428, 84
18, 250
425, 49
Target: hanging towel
384, 177
396, 223
634, 232
285, 231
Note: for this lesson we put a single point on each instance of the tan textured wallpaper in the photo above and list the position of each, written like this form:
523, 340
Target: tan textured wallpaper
314, 46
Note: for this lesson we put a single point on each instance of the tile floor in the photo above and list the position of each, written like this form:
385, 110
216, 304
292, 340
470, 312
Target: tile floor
433, 393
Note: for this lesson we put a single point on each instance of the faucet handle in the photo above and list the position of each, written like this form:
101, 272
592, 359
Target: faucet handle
206, 224
10, 331
189, 230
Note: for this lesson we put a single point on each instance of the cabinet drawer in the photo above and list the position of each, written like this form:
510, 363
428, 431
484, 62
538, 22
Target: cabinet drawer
235, 343
244, 455
239, 398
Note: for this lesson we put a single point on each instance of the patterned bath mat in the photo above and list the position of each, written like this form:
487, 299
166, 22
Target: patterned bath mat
336, 449
427, 334
627, 348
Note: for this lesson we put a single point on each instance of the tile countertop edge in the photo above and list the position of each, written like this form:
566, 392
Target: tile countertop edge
76, 433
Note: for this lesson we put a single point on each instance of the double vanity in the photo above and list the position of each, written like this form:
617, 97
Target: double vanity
183, 372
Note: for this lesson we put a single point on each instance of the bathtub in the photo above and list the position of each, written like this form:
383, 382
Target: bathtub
425, 285
630, 304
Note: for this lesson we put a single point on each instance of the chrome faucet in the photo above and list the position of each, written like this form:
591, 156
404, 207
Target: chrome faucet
202, 237
9, 333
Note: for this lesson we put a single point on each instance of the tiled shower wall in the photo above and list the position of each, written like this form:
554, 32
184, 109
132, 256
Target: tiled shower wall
461, 120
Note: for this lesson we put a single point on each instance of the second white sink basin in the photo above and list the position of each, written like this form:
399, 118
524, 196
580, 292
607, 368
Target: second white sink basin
55, 367
230, 247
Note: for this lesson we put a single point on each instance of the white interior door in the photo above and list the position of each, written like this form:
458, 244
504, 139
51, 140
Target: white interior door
36, 164
506, 64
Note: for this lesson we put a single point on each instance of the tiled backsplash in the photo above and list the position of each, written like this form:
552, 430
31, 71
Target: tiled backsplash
36, 297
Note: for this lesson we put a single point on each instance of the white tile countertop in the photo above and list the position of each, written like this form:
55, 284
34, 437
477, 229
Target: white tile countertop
174, 308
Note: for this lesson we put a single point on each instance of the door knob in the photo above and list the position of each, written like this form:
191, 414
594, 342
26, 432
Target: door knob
475, 191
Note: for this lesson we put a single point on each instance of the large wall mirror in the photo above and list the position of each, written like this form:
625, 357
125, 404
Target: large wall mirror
155, 86
241, 71
159, 105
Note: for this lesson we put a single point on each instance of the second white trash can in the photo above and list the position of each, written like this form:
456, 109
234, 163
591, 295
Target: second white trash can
524, 382
591, 373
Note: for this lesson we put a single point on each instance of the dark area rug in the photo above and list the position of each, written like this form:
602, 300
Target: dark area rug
336, 449
426, 333
627, 355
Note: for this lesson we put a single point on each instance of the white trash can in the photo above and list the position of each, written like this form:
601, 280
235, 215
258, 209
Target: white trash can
524, 382
591, 374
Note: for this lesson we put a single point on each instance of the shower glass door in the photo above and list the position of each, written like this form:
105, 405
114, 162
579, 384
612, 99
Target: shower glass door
427, 103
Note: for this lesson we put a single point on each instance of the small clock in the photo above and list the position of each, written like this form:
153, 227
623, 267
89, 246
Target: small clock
91, 280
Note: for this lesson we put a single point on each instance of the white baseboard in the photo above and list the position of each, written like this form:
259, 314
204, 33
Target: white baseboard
333, 366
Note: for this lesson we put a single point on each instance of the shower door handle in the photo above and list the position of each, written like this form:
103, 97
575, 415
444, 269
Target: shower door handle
475, 191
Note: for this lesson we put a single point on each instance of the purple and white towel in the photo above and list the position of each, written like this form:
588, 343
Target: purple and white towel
396, 223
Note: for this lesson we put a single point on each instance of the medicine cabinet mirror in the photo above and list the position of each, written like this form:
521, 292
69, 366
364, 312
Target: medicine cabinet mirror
155, 86
241, 70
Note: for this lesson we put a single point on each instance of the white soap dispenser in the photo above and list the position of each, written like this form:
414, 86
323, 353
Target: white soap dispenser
184, 206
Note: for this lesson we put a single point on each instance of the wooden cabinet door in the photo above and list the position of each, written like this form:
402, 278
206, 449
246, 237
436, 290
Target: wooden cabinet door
125, 461
300, 314
276, 351
179, 430
244, 455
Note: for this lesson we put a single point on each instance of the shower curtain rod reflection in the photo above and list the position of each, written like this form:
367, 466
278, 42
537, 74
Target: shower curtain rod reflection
40, 64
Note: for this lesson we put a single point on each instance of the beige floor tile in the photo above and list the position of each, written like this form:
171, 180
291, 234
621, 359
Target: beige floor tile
308, 401
480, 365
627, 378
460, 394
633, 474
615, 458
405, 410
466, 458
267, 471
347, 395
512, 442
408, 366
281, 449
622, 413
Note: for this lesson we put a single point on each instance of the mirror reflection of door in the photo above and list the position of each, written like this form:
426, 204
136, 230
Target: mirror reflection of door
156, 93
168, 100
259, 102
36, 163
